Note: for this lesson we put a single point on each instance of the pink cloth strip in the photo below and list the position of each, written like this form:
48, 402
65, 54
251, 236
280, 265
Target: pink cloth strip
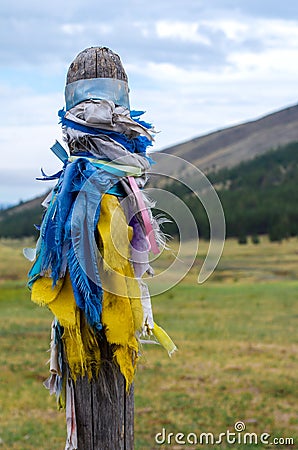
145, 215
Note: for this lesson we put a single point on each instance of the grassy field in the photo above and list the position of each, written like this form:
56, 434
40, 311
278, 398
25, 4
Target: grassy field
237, 359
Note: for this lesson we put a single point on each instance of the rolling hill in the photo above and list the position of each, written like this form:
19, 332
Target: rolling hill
231, 146
216, 154
258, 196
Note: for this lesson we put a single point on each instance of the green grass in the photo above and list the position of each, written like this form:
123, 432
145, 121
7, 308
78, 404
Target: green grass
237, 360
13, 266
28, 416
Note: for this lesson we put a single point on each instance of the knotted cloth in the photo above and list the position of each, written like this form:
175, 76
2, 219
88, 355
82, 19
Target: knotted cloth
93, 248
96, 234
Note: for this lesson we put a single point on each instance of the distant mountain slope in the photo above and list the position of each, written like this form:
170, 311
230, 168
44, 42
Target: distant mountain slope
258, 196
225, 148
228, 147
18, 221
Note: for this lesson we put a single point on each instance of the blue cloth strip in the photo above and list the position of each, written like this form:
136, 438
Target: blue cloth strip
59, 151
117, 190
136, 145
97, 89
112, 170
67, 230
46, 177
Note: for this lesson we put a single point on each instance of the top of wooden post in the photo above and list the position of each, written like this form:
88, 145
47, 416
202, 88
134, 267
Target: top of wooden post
96, 62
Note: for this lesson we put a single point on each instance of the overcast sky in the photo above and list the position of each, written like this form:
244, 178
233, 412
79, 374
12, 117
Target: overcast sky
195, 66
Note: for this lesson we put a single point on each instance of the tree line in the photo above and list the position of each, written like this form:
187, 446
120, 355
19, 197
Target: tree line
258, 197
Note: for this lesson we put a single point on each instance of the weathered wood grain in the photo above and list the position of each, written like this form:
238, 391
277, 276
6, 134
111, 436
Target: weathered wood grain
96, 62
105, 411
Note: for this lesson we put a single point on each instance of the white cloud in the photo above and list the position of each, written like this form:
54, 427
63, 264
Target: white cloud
72, 28
194, 68
26, 108
28, 147
29, 127
186, 31
277, 32
25, 150
234, 29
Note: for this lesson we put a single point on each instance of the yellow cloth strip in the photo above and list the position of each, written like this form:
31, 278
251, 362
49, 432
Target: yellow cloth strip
164, 339
122, 313
130, 170
80, 343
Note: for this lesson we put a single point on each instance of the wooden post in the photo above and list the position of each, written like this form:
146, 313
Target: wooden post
96, 62
104, 409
